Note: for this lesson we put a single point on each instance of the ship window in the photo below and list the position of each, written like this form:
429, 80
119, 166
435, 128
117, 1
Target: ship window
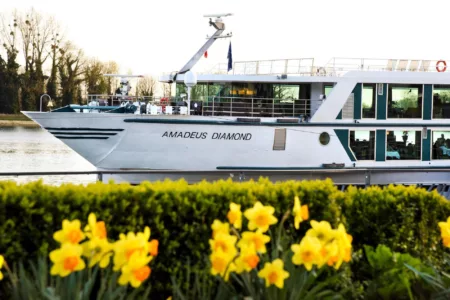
405, 101
324, 138
368, 100
199, 92
327, 89
441, 145
441, 101
362, 143
403, 145
286, 92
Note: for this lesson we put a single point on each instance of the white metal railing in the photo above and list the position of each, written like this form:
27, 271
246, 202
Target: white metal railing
211, 106
298, 66
337, 66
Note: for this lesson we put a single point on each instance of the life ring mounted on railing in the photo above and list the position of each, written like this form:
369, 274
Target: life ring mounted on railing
441, 66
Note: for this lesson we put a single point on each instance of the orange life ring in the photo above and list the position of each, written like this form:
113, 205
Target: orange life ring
439, 68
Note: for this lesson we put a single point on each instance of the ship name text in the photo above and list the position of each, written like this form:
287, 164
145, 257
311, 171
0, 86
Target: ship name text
204, 135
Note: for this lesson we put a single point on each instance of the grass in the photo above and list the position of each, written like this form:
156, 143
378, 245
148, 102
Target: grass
14, 117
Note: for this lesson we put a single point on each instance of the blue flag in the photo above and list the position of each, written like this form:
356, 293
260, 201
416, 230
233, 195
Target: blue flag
230, 59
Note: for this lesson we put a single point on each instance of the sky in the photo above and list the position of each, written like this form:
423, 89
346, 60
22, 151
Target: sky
154, 37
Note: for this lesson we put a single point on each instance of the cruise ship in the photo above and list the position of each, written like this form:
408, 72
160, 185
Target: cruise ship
356, 121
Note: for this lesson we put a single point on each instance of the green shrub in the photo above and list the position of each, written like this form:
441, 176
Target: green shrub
403, 218
179, 215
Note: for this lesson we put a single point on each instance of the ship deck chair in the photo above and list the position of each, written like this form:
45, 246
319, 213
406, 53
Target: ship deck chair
402, 64
413, 65
391, 65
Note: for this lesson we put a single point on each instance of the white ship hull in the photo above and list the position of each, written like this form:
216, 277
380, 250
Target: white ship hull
197, 148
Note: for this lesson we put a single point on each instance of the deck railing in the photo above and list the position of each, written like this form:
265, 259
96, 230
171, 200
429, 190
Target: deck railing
337, 66
211, 106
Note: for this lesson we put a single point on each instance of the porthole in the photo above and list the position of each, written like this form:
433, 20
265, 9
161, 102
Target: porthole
324, 138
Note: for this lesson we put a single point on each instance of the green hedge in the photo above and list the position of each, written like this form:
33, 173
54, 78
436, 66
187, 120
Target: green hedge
180, 215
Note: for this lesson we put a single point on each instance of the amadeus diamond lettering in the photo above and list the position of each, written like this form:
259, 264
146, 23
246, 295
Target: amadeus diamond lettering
204, 135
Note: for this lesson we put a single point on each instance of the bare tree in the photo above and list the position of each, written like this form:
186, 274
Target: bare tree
53, 78
71, 72
146, 86
10, 81
37, 33
111, 67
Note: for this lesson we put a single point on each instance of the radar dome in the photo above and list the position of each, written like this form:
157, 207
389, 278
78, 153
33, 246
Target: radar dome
190, 79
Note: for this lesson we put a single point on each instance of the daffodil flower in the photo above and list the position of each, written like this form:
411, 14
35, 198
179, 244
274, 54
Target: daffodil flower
95, 229
260, 217
70, 232
66, 260
235, 215
127, 245
219, 227
153, 247
136, 270
322, 230
2, 261
257, 239
445, 232
98, 251
300, 212
224, 242
307, 253
274, 273
248, 259
221, 263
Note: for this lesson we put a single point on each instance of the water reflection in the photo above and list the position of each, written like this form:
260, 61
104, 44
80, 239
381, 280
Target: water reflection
25, 149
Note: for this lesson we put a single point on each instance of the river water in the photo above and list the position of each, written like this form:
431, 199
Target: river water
24, 149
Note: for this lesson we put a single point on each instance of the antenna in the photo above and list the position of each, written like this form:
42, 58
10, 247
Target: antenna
218, 15
122, 76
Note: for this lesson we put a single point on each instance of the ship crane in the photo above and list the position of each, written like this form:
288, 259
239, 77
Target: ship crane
219, 25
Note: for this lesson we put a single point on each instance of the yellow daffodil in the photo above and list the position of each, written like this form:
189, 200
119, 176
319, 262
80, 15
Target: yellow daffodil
248, 259
70, 233
257, 239
94, 228
219, 227
235, 215
153, 247
322, 231
300, 212
127, 245
274, 273
221, 263
445, 232
344, 248
2, 261
329, 254
98, 251
66, 260
260, 217
224, 242
307, 253
136, 270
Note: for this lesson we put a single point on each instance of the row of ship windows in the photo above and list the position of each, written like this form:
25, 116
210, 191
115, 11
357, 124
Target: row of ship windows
400, 145
403, 101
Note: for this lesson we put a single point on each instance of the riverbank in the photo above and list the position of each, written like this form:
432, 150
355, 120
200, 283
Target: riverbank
7, 120
13, 123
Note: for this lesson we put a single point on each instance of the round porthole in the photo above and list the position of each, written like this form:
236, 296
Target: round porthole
324, 138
